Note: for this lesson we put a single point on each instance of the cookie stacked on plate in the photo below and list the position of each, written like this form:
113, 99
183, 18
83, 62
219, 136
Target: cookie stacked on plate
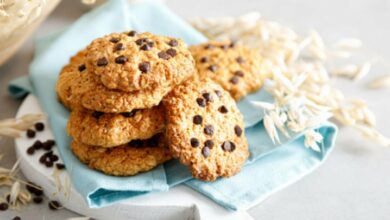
114, 88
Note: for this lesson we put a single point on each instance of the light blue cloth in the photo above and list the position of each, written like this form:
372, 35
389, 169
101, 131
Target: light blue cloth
268, 169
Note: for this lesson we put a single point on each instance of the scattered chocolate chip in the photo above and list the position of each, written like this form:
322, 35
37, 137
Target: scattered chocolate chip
39, 126
37, 145
47, 146
218, 93
115, 40
82, 67
17, 218
240, 60
30, 150
30, 133
53, 158
206, 151
34, 189
172, 52
228, 146
97, 115
204, 60
239, 73
208, 46
37, 200
129, 114
140, 41
207, 96
48, 163
102, 62
234, 80
144, 67
3, 206
54, 205
223, 109
237, 130
212, 68
42, 159
194, 142
209, 143
197, 119
173, 43
145, 47
164, 55
121, 59
201, 102
132, 33
60, 166
209, 130
118, 47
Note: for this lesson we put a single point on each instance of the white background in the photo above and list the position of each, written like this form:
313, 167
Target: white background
354, 183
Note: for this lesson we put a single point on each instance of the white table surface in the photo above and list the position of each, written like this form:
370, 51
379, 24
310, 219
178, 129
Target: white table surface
352, 184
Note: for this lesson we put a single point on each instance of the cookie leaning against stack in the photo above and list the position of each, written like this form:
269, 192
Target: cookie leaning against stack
113, 88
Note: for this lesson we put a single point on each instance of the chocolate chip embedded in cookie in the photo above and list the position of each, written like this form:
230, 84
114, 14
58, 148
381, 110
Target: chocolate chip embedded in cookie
133, 61
205, 129
111, 129
77, 88
124, 160
238, 69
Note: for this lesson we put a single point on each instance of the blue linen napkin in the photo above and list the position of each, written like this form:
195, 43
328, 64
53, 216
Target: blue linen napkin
268, 169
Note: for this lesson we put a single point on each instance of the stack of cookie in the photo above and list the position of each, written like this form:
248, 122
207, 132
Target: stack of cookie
139, 99
113, 89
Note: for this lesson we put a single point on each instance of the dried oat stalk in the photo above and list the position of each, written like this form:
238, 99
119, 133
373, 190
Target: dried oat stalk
13, 127
301, 78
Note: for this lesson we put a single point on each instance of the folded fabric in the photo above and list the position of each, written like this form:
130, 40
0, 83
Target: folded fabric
268, 169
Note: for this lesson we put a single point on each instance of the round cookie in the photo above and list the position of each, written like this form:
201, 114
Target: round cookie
78, 88
205, 129
131, 61
238, 69
125, 160
110, 129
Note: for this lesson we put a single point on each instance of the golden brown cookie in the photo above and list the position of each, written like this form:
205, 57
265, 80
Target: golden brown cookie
78, 88
125, 160
111, 129
205, 129
238, 69
131, 61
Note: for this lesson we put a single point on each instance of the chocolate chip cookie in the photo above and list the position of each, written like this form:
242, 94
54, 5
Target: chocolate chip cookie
111, 129
238, 69
77, 88
133, 61
125, 160
205, 129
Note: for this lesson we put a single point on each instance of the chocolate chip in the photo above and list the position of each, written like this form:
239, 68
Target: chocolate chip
132, 33
228, 146
145, 47
206, 151
136, 143
209, 130
232, 44
164, 55
173, 43
218, 93
197, 119
39, 126
201, 102
234, 80
30, 133
237, 130
60, 166
82, 67
204, 60
115, 40
3, 206
144, 67
224, 47
17, 218
48, 163
239, 73
102, 62
37, 145
54, 205
37, 200
51, 142
140, 41
42, 159
212, 68
209, 143
53, 158
30, 150
194, 142
119, 47
208, 46
171, 52
240, 60
129, 114
97, 114
121, 59
47, 145
223, 109
207, 96
34, 189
